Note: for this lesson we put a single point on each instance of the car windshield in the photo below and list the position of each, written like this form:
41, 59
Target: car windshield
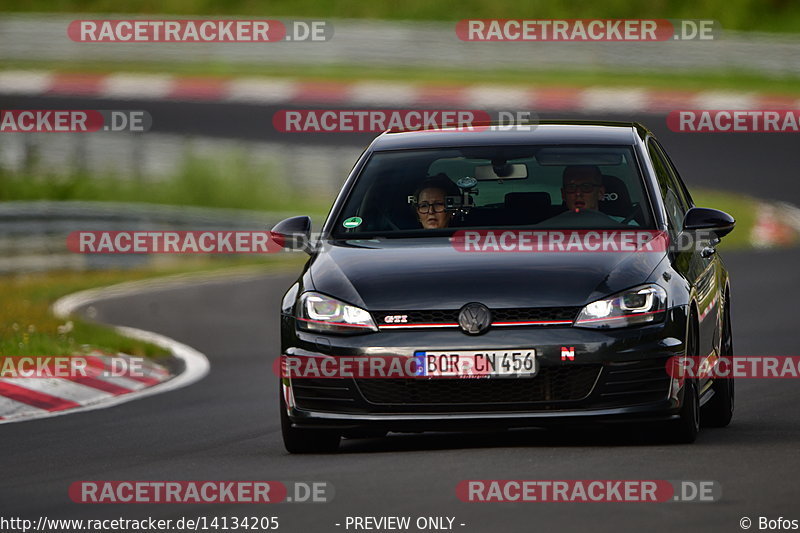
410, 192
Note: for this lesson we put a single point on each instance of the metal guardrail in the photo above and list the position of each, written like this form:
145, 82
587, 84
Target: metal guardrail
33, 235
317, 171
410, 44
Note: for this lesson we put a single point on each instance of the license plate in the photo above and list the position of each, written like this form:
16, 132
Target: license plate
477, 364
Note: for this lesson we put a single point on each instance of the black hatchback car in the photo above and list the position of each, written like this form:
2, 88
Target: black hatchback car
422, 258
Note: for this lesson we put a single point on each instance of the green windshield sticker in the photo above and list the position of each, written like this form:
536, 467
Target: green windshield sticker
352, 222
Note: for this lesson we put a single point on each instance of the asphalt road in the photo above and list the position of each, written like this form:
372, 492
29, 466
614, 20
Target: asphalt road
226, 427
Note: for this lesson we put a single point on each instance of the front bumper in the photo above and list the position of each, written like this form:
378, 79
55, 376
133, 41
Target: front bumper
616, 375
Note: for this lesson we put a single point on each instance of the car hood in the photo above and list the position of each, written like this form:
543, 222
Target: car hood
407, 274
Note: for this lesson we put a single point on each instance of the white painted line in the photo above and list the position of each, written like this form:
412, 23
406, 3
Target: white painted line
196, 368
130, 86
196, 365
725, 100
64, 306
498, 97
24, 81
260, 91
613, 99
383, 94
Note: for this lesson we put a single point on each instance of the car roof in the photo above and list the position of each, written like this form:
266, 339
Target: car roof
544, 132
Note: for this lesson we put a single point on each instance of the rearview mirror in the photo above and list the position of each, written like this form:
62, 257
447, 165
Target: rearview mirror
704, 218
293, 233
501, 172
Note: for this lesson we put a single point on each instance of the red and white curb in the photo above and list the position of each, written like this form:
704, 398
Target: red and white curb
33, 398
374, 93
30, 397
777, 225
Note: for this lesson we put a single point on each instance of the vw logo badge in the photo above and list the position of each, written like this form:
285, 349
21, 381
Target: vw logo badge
474, 318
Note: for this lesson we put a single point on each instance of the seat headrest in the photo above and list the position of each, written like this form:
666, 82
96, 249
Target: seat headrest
527, 200
617, 200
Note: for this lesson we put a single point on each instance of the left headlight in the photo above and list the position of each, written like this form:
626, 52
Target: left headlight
324, 314
640, 305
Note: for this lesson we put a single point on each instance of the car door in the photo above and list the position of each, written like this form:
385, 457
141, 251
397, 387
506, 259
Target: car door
695, 259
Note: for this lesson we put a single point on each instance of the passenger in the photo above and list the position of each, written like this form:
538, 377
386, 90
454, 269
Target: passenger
430, 201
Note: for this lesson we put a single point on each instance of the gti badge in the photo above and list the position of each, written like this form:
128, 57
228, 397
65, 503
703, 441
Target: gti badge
567, 354
474, 318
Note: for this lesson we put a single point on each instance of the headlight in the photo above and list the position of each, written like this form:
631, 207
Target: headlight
317, 312
641, 305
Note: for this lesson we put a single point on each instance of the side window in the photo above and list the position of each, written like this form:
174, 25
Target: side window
680, 188
670, 190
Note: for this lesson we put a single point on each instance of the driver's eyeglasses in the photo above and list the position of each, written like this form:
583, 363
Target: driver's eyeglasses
425, 207
583, 187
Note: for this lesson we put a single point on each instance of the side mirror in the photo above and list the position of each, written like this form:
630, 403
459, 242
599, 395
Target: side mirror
713, 220
293, 233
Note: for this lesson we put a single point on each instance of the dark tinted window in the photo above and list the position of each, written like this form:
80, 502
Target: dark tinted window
671, 190
680, 187
513, 186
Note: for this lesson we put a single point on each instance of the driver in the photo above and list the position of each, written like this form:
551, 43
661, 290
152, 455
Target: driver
430, 201
582, 187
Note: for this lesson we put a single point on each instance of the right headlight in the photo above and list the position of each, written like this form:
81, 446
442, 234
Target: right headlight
324, 314
640, 305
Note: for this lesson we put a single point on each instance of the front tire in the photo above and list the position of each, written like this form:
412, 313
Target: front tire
304, 440
718, 412
685, 429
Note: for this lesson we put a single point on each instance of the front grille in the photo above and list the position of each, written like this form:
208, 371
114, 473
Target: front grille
544, 314
450, 316
551, 384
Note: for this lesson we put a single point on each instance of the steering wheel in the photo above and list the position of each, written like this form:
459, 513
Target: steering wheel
389, 220
637, 207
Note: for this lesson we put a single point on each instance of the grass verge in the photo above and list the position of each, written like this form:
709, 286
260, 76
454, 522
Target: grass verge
231, 184
27, 326
743, 208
